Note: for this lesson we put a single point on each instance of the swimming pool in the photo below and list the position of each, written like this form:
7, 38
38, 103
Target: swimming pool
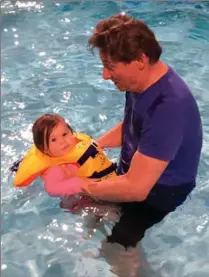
46, 67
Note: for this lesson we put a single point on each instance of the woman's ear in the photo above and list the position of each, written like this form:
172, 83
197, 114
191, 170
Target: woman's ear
141, 62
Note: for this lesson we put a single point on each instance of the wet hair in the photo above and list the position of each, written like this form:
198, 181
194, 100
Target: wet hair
43, 128
125, 39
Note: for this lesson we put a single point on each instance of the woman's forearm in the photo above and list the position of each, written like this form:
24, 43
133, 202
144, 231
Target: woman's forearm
113, 138
117, 189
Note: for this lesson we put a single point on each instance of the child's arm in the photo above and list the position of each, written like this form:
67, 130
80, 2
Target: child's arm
56, 180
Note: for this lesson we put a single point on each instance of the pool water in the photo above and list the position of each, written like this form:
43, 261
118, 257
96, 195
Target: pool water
47, 67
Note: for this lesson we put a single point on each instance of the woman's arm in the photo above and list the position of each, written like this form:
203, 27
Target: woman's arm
113, 138
132, 186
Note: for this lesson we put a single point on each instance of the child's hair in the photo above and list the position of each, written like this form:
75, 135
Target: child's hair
43, 128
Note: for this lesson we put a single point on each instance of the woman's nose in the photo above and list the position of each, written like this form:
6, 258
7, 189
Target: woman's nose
106, 74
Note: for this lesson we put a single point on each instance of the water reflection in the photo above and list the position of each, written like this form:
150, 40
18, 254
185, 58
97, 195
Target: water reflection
107, 219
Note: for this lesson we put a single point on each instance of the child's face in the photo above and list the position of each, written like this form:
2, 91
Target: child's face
61, 141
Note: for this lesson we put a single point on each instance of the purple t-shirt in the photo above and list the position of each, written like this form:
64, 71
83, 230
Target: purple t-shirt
164, 122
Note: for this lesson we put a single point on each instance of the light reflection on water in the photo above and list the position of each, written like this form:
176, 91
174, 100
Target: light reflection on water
47, 67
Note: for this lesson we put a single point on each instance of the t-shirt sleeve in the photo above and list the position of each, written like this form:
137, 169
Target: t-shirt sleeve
162, 132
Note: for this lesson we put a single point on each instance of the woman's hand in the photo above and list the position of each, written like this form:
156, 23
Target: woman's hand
82, 182
85, 190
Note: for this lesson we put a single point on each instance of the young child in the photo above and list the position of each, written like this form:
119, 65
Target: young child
60, 154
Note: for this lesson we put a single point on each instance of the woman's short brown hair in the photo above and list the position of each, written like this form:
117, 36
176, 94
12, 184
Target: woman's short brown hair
125, 39
43, 128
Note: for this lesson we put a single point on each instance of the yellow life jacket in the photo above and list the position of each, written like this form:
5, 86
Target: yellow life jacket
92, 161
